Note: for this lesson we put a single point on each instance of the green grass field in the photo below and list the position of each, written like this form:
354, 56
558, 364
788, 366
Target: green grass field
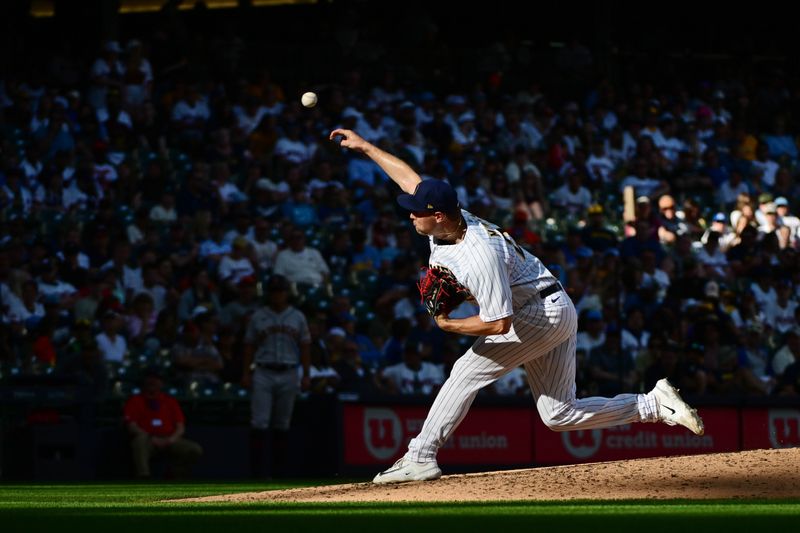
117, 508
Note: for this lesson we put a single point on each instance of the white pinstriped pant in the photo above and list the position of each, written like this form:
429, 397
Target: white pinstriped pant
542, 338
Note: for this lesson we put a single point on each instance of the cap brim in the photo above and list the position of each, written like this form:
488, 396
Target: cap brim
411, 203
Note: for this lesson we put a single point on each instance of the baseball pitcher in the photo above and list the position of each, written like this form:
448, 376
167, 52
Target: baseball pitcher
525, 318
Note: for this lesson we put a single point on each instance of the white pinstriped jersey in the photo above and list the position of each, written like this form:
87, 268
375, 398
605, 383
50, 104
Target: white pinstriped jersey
499, 274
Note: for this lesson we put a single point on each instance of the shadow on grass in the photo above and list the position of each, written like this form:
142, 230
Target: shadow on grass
355, 517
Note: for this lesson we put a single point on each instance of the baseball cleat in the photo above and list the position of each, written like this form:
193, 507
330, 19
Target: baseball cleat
673, 410
404, 470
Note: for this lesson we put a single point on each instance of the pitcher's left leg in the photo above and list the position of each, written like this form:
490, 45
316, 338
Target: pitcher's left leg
552, 381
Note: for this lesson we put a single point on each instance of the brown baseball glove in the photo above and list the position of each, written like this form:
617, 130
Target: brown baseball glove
440, 291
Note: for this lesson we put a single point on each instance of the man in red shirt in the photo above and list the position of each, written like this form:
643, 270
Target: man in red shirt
157, 424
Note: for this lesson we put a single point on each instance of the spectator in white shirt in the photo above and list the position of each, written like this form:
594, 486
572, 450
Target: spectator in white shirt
236, 265
301, 264
373, 128
164, 211
594, 335
26, 307
780, 314
729, 191
515, 383
51, 286
634, 337
599, 166
712, 258
762, 289
249, 115
769, 222
112, 345
643, 185
15, 194
292, 148
785, 218
138, 76
789, 353
228, 191
129, 275
671, 146
413, 375
719, 224
106, 72
573, 197
264, 249
767, 166
191, 113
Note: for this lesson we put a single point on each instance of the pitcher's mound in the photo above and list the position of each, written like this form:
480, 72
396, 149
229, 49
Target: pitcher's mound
750, 474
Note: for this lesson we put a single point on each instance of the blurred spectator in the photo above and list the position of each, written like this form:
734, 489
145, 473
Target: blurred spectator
112, 345
514, 383
763, 289
712, 258
264, 248
682, 368
642, 240
789, 384
354, 376
301, 264
235, 266
190, 115
572, 197
788, 354
137, 77
85, 366
141, 320
780, 143
201, 293
157, 425
196, 356
164, 212
107, 72
670, 226
720, 358
237, 312
412, 375
755, 373
635, 337
323, 378
594, 335
595, 234
731, 189
612, 369
780, 313
25, 308
292, 149
299, 209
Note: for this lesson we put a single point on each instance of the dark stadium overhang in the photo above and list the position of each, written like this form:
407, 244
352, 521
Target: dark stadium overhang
46, 8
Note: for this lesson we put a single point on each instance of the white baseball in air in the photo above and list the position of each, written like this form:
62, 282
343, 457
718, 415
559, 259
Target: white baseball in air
309, 99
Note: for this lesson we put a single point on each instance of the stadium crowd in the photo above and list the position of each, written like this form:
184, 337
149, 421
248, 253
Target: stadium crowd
144, 209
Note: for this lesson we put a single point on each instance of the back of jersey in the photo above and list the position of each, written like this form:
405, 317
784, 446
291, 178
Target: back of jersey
524, 268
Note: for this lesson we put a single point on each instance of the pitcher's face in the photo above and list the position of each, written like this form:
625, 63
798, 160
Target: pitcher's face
424, 222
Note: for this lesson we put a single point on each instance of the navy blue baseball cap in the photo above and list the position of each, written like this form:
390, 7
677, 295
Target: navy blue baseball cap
430, 195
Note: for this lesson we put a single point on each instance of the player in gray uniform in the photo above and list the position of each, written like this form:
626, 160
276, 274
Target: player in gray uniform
276, 341
525, 319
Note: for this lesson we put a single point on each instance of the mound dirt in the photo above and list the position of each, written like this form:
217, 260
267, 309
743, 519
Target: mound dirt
755, 474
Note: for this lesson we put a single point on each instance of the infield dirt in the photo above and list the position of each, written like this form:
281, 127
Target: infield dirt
755, 474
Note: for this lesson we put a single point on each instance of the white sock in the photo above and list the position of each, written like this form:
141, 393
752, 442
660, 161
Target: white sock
648, 407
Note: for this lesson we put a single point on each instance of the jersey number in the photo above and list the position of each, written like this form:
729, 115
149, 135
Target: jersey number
494, 232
